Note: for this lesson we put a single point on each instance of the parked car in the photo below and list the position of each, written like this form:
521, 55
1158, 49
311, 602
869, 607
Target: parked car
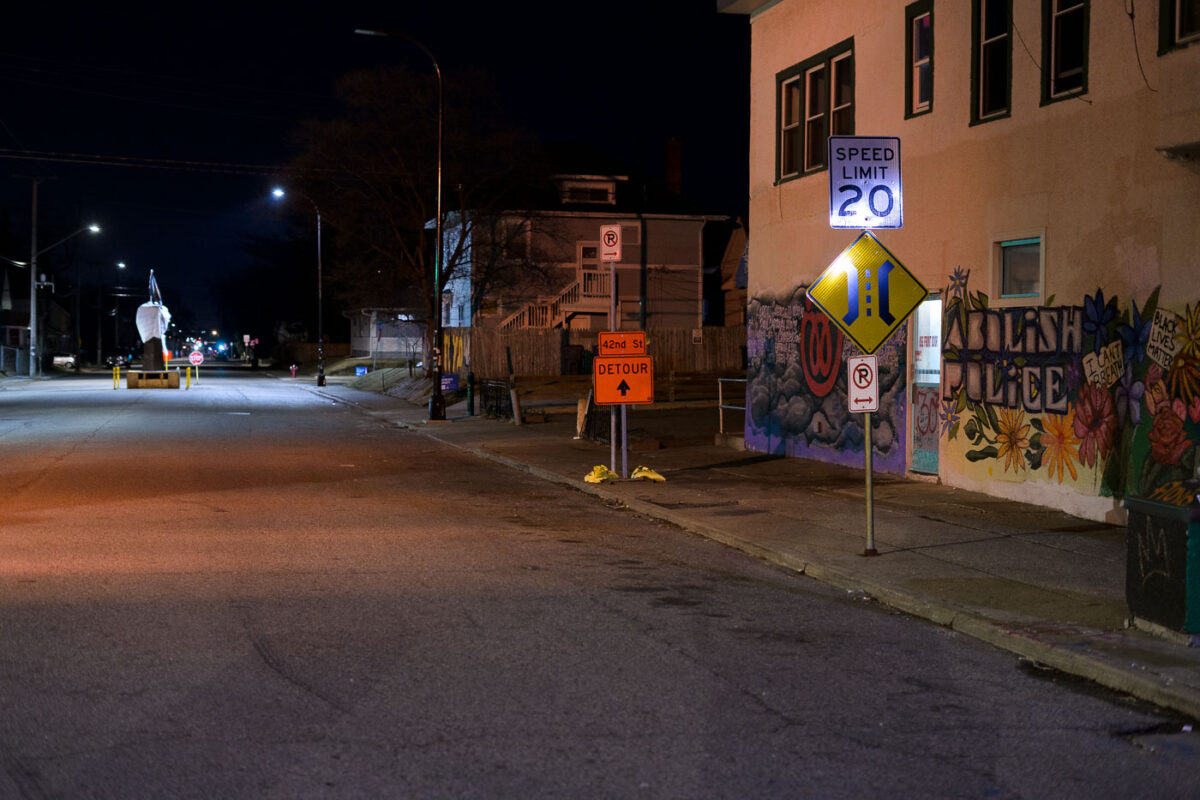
63, 360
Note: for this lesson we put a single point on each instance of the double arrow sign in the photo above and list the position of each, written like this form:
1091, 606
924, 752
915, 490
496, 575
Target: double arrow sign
622, 372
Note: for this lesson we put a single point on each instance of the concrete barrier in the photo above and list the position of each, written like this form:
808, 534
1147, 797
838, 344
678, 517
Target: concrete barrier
152, 379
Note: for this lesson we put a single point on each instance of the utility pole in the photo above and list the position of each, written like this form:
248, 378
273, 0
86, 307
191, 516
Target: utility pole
34, 366
33, 287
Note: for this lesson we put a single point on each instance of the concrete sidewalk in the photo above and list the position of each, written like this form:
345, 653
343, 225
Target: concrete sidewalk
1037, 582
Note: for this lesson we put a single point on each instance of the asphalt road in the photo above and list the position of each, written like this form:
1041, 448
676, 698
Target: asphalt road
246, 590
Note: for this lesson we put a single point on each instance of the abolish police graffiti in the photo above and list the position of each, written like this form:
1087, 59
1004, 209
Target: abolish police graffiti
1013, 357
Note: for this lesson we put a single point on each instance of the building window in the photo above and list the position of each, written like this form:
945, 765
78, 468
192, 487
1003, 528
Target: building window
1178, 24
991, 62
1021, 268
514, 241
1064, 48
592, 190
918, 55
815, 101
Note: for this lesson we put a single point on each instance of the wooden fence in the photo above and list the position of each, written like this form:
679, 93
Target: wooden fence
709, 351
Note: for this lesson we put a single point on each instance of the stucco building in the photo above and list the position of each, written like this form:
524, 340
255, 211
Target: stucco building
1051, 185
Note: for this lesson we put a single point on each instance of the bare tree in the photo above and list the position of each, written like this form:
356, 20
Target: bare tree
372, 172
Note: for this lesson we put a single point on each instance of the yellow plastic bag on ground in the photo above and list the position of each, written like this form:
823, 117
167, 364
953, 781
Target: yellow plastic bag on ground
646, 474
600, 474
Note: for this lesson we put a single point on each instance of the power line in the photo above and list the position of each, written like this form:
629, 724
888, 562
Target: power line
145, 163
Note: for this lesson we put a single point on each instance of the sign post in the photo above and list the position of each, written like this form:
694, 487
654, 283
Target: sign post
862, 393
610, 253
195, 358
867, 292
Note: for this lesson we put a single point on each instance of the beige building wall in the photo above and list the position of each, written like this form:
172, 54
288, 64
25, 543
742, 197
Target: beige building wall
1086, 174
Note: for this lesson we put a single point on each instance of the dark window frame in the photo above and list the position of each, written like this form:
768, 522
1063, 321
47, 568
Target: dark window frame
1049, 53
977, 45
799, 72
1168, 36
912, 12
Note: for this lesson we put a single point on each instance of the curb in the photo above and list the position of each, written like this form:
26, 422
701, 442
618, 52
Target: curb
1000, 633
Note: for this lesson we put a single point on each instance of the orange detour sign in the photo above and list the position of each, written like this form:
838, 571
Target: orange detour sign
623, 343
618, 380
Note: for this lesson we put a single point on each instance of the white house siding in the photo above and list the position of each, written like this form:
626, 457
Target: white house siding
1120, 236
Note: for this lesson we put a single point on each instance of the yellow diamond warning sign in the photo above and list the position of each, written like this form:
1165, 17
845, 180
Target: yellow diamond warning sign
867, 292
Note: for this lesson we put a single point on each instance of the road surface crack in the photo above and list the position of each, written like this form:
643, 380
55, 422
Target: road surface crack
278, 665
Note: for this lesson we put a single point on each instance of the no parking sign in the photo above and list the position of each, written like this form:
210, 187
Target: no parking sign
862, 384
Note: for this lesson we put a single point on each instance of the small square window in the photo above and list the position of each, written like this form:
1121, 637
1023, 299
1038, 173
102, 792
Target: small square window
1021, 268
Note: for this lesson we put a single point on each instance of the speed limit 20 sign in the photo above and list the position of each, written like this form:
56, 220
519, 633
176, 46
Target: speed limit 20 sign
864, 182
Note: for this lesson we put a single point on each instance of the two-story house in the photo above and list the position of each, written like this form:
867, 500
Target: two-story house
543, 268
1051, 191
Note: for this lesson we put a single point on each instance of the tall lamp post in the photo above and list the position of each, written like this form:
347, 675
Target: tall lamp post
34, 252
278, 192
100, 316
437, 403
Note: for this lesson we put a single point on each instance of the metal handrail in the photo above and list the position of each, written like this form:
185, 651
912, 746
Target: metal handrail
721, 406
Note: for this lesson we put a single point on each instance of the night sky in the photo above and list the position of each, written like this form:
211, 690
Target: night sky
227, 84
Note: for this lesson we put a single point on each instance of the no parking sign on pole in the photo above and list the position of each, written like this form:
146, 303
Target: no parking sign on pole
862, 384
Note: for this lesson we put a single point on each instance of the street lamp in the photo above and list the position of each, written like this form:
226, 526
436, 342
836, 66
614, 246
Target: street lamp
279, 193
100, 317
34, 252
437, 403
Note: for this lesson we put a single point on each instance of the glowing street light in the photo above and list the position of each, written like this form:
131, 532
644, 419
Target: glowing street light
437, 403
279, 194
116, 315
34, 252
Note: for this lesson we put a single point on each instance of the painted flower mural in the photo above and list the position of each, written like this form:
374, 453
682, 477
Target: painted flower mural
1134, 336
1103, 396
1095, 423
1097, 318
1062, 447
1012, 438
1168, 440
958, 283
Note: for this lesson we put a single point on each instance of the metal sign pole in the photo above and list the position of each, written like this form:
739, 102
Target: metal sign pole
612, 326
870, 551
624, 442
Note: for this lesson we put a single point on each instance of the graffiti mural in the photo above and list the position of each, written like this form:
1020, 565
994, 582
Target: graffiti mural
1100, 395
796, 387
